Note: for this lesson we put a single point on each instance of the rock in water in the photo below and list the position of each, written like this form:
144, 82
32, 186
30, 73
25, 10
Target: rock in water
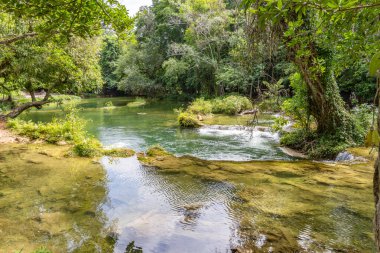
344, 156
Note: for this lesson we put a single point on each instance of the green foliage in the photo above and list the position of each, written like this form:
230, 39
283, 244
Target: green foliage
315, 146
70, 129
272, 96
65, 19
374, 67
187, 120
279, 123
200, 106
297, 107
363, 116
109, 54
108, 104
87, 147
230, 105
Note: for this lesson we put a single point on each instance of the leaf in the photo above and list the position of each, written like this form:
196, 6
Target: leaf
374, 66
279, 4
332, 5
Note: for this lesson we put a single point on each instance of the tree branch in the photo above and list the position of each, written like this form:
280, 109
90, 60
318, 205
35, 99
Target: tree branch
20, 37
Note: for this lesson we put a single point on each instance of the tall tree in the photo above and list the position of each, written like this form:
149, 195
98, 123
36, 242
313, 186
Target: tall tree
32, 28
313, 32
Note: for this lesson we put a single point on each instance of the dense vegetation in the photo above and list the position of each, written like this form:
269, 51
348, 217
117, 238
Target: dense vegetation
307, 59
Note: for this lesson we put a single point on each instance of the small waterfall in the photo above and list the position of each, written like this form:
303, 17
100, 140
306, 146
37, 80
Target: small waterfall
344, 156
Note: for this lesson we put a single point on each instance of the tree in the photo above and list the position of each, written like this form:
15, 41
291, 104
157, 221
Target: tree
65, 18
375, 72
322, 38
38, 42
313, 32
109, 55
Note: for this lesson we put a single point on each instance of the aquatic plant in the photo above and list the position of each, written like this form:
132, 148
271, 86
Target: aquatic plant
68, 130
188, 120
108, 104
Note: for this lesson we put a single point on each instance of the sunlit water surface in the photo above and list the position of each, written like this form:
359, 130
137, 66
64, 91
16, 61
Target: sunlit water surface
291, 208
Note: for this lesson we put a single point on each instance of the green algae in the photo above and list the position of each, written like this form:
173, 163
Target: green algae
243, 120
300, 206
50, 200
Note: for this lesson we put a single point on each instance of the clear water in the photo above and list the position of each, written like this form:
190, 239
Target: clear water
189, 205
162, 213
155, 123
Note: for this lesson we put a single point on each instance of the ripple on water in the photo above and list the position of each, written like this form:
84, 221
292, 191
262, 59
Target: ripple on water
166, 213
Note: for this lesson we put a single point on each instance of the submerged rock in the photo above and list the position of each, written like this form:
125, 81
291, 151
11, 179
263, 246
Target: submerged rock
344, 156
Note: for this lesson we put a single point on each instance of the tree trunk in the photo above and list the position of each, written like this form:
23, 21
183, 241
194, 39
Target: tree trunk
325, 103
18, 110
376, 183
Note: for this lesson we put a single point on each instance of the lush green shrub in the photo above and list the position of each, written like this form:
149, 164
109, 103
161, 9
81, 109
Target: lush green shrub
108, 104
88, 147
314, 145
269, 105
230, 105
187, 120
363, 116
52, 132
279, 123
297, 106
200, 106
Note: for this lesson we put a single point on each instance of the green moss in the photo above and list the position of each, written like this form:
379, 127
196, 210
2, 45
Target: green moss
137, 103
156, 150
188, 120
118, 152
49, 198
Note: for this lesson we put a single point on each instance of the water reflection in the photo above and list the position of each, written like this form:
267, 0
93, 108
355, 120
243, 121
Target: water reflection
165, 212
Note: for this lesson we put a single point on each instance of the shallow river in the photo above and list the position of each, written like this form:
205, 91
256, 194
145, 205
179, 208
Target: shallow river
272, 204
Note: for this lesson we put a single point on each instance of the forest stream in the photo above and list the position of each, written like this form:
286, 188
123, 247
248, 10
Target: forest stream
225, 188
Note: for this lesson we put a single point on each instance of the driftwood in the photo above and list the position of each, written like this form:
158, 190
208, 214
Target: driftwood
249, 112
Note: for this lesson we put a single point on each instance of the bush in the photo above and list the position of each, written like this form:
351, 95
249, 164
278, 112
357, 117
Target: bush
314, 145
187, 120
230, 105
200, 106
108, 104
88, 147
279, 123
362, 115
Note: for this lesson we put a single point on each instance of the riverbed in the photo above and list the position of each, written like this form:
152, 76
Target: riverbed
227, 187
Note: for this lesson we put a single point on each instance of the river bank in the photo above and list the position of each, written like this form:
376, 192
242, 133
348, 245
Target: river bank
6, 136
216, 189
